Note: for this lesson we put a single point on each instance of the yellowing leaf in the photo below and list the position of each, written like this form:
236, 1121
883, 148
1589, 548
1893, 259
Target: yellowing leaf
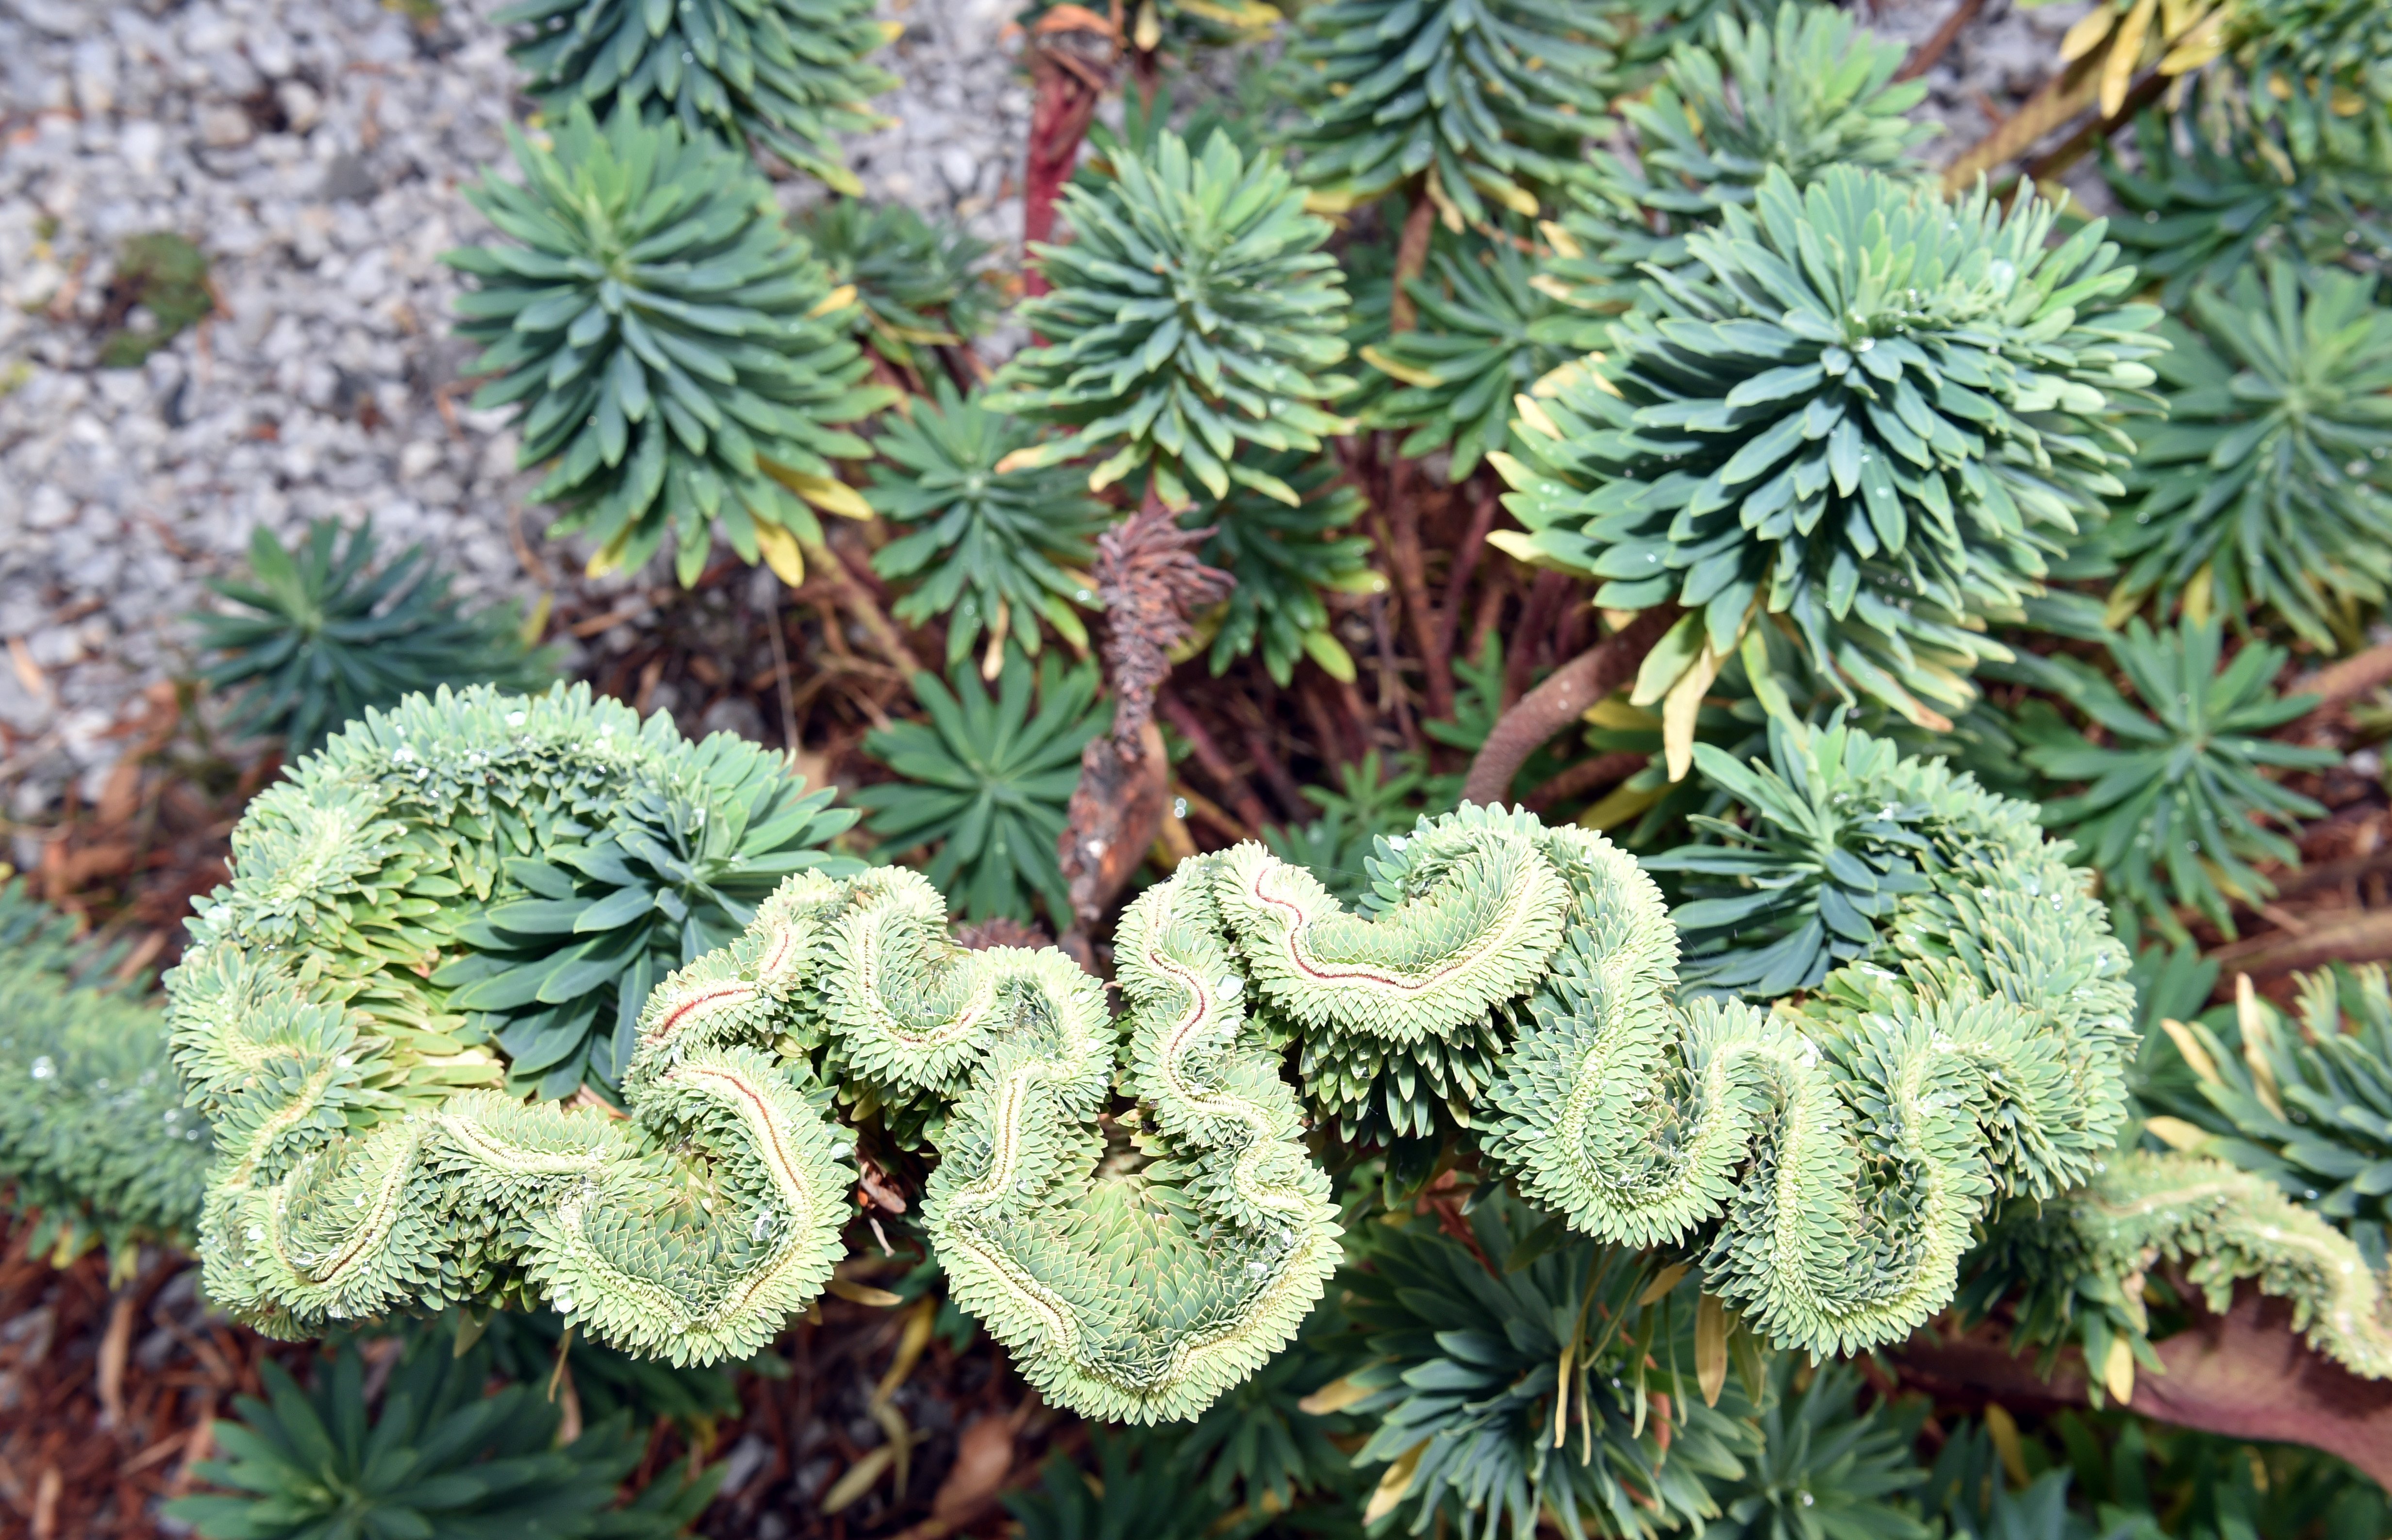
1663, 1281
863, 1294
838, 299
2175, 1132
1711, 1348
1335, 1396
859, 1477
1533, 417
2004, 1430
1392, 1485
781, 552
831, 497
2088, 33
2118, 1371
2118, 70
1679, 709
1560, 239
2194, 1054
1378, 360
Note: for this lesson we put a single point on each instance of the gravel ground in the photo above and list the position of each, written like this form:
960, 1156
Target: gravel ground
314, 149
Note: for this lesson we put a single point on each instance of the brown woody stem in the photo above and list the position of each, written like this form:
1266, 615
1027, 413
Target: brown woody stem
2245, 1374
1558, 702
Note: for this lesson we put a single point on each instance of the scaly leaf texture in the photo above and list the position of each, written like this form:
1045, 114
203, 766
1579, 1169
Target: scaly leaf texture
366, 1161
789, 76
1848, 1149
2078, 1266
1877, 414
1523, 978
94, 1136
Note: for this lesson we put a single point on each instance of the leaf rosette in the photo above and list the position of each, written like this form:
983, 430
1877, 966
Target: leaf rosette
661, 332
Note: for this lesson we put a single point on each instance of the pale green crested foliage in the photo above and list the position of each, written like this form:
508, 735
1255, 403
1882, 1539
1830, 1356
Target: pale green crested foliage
1861, 413
94, 1135
436, 1456
2303, 1102
2205, 200
658, 327
998, 553
1489, 98
1285, 558
2075, 1268
1487, 332
2269, 484
1987, 1048
789, 76
2179, 797
1825, 845
1502, 976
463, 879
986, 780
1528, 1382
1801, 92
1192, 326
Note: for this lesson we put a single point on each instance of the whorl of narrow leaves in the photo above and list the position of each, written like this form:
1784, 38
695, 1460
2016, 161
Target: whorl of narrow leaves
657, 325
2304, 1103
1516, 1380
2202, 205
1863, 413
986, 780
1487, 332
1192, 323
1825, 1469
1004, 553
2269, 484
438, 1458
914, 280
328, 634
1805, 92
1490, 98
789, 76
1283, 560
2324, 67
2180, 795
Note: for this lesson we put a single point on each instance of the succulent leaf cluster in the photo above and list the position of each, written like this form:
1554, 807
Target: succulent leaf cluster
986, 780
1284, 558
2306, 1102
2180, 798
1524, 1377
2269, 484
1863, 413
2321, 67
94, 1135
2203, 203
1000, 551
789, 76
660, 332
1825, 1469
915, 280
438, 1458
1802, 91
1487, 332
1486, 100
323, 633
366, 1162
1190, 328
